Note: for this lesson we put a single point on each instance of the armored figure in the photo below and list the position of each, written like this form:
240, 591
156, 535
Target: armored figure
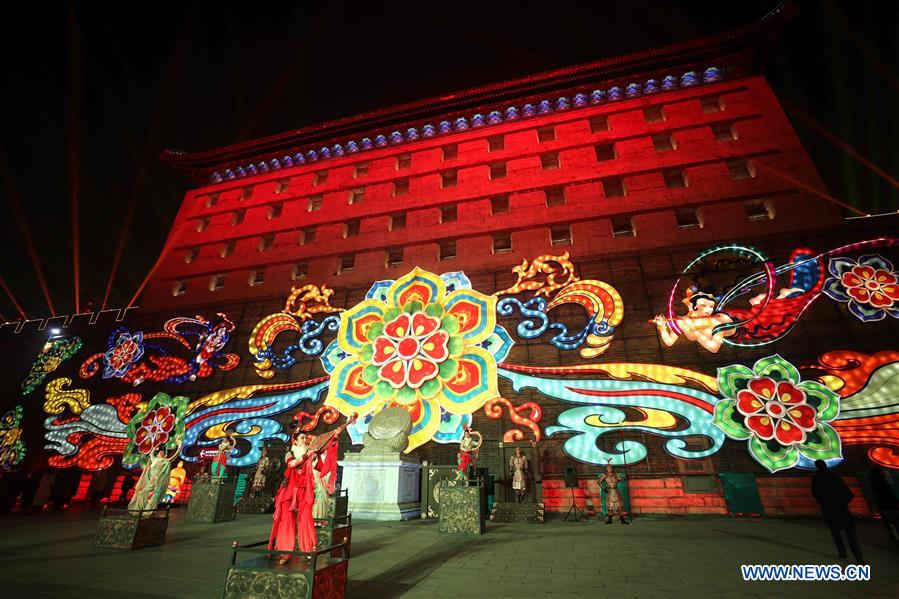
609, 483
519, 468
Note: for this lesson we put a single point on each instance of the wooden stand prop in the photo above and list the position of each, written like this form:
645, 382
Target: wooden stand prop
211, 502
335, 531
131, 529
320, 574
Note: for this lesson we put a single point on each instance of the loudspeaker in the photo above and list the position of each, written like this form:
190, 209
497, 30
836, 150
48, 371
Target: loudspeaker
570, 478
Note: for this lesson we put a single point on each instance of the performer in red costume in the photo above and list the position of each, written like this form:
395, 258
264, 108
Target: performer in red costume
293, 527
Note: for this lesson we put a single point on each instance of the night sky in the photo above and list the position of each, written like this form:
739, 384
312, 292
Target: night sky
92, 92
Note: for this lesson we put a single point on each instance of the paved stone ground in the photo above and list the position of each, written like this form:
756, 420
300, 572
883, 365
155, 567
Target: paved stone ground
51, 555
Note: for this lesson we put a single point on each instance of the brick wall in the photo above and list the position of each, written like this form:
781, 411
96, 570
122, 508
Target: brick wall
780, 495
792, 496
763, 135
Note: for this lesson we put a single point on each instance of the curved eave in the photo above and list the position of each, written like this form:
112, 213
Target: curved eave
741, 48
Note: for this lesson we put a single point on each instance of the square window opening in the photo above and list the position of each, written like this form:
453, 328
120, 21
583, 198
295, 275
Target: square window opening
300, 271
447, 249
257, 277
688, 218
759, 210
614, 187
401, 187
448, 179
712, 103
653, 114
599, 124
216, 282
346, 264
560, 235
623, 226
724, 131
605, 152
549, 162
450, 152
394, 256
741, 169
663, 142
356, 196
502, 242
675, 179
398, 222
448, 214
545, 134
555, 196
403, 161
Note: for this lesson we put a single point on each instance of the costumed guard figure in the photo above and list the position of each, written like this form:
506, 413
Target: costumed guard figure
519, 468
152, 484
259, 477
220, 464
609, 482
468, 452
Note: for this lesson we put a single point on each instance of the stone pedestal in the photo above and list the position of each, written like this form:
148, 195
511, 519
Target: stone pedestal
461, 508
121, 529
382, 486
211, 502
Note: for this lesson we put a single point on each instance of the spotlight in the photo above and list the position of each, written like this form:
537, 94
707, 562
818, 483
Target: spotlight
55, 331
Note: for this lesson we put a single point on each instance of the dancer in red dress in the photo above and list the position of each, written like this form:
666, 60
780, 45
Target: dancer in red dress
293, 528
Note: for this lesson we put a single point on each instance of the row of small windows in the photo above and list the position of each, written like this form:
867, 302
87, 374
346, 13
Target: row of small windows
496, 143
560, 235
613, 187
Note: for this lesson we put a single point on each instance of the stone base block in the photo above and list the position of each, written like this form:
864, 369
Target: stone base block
211, 502
461, 508
121, 529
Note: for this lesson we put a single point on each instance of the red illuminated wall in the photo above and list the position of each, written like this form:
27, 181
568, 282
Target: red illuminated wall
276, 205
780, 495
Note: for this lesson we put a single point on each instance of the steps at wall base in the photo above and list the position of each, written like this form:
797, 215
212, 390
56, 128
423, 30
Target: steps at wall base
517, 512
